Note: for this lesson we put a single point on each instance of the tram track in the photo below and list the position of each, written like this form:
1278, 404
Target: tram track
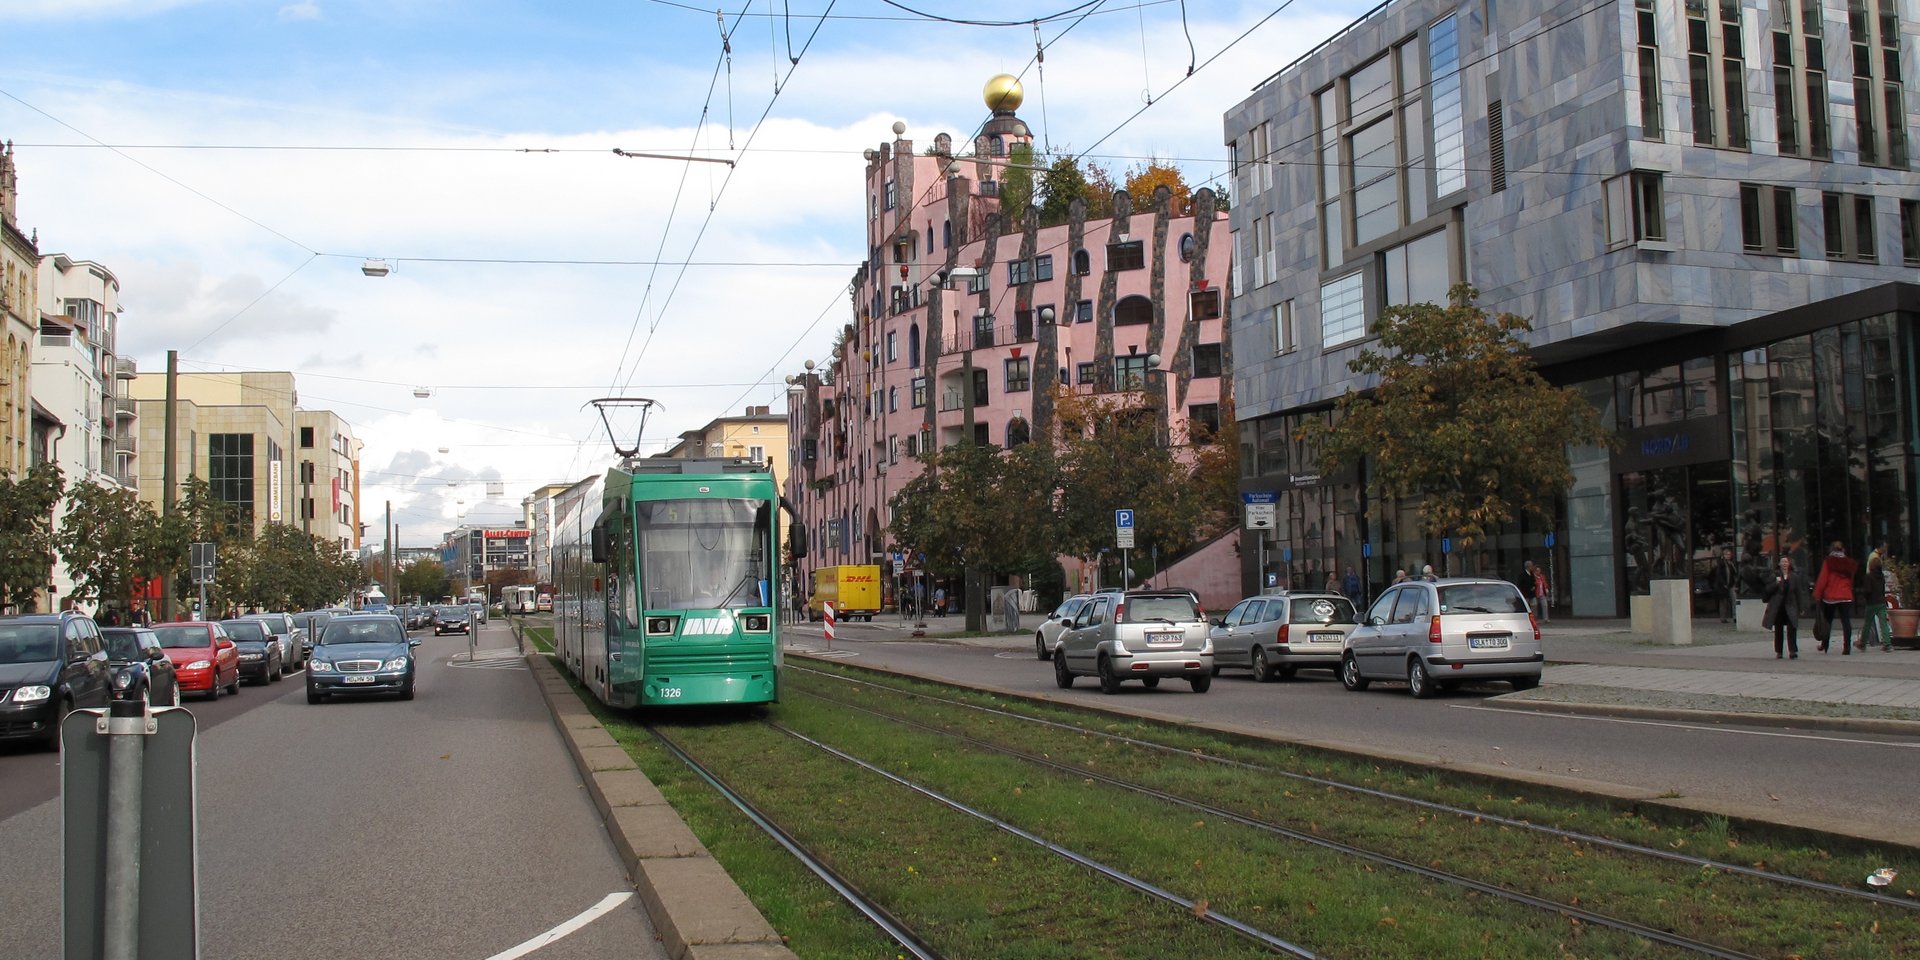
1562, 833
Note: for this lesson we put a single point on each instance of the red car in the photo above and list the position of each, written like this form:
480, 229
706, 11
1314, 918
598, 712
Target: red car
204, 659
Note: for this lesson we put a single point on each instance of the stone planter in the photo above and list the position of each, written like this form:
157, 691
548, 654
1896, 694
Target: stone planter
1747, 614
1640, 614
1906, 627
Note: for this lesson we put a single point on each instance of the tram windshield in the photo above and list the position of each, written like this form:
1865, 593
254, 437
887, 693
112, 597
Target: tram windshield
704, 554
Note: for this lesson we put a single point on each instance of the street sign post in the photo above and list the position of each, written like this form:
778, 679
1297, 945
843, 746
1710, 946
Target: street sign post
201, 559
127, 795
1123, 538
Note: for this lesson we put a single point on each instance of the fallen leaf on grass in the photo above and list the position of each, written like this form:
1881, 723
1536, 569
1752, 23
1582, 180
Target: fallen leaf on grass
446, 756
1200, 909
1773, 798
1389, 922
1312, 908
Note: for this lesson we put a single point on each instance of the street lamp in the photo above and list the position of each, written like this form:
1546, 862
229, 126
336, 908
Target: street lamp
375, 267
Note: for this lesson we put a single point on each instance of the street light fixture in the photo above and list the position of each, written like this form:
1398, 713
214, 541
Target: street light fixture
375, 267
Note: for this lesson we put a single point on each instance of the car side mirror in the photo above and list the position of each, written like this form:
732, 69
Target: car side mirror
224, 645
797, 539
156, 654
1068, 624
412, 642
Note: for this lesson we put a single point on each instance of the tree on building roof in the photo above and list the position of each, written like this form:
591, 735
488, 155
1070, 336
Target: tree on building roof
1459, 422
1143, 180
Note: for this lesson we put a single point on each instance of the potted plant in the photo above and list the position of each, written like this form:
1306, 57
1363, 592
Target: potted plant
1905, 615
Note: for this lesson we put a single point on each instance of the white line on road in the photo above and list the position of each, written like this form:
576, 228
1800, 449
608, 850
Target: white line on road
1694, 726
591, 914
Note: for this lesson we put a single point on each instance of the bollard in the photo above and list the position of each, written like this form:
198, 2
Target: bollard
827, 607
126, 726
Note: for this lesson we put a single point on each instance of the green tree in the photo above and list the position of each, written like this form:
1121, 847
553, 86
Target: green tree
1063, 183
26, 514
425, 579
1143, 180
1460, 421
201, 517
1112, 456
976, 509
1016, 185
110, 537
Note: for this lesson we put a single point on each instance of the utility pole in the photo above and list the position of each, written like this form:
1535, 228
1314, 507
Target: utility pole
167, 477
976, 604
388, 536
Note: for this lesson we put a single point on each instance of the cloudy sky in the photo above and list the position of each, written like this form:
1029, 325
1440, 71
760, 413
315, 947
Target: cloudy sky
235, 162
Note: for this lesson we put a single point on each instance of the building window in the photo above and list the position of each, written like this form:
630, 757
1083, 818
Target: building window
1018, 431
1132, 310
1373, 174
757, 454
1237, 269
1206, 360
1343, 310
979, 387
1767, 220
893, 346
1873, 27
1206, 304
946, 234
997, 145
1082, 263
1850, 227
1651, 124
1416, 271
1083, 311
919, 392
1087, 373
1449, 117
1716, 73
977, 283
1284, 337
1127, 255
1262, 149
889, 195
1910, 232
1636, 209
1799, 79
893, 399
1019, 375
306, 438
230, 475
913, 345
1203, 422
1018, 272
1043, 267
1130, 373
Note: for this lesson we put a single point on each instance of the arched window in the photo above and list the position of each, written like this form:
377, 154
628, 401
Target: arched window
1082, 263
997, 146
913, 346
1132, 310
1018, 432
946, 234
929, 236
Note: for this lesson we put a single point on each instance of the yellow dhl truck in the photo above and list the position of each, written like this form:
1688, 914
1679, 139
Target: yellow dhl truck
854, 590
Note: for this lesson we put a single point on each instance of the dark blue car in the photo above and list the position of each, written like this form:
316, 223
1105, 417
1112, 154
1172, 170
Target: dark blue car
49, 665
141, 670
360, 654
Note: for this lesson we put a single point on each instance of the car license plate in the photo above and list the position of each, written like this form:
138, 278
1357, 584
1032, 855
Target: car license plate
1165, 639
1488, 643
1323, 638
359, 680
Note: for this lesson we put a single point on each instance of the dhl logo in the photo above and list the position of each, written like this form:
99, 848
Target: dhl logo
859, 578
706, 626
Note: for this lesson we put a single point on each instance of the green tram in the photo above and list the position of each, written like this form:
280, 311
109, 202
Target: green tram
667, 575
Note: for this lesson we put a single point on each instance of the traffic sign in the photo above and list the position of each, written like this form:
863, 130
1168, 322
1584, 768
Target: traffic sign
1366, 551
1260, 516
200, 556
1446, 545
168, 885
1549, 540
1123, 529
1259, 496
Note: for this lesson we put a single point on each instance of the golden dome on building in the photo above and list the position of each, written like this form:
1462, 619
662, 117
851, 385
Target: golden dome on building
1003, 94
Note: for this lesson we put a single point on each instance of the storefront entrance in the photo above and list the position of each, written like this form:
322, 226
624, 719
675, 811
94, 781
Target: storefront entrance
1674, 521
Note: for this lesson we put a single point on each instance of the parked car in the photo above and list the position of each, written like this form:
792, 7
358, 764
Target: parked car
1435, 634
1047, 636
283, 628
205, 660
479, 609
309, 623
259, 650
1143, 634
50, 664
362, 654
1277, 634
140, 667
450, 618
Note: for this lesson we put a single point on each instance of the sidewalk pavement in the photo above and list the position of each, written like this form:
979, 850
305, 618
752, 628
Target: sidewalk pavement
1601, 666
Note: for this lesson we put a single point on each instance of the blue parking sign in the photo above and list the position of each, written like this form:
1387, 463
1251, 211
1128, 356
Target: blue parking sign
1123, 519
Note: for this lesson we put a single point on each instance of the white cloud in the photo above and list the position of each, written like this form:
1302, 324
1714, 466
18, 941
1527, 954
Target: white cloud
305, 10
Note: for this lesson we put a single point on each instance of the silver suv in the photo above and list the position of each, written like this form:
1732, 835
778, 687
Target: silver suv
1434, 634
1275, 635
1143, 635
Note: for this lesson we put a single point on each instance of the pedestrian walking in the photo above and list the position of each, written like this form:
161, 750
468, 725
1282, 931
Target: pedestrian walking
1351, 588
1879, 596
1833, 588
1529, 585
1787, 602
939, 601
1543, 589
1333, 583
1725, 575
139, 616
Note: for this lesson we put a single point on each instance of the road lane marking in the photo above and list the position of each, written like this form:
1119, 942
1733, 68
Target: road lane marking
1694, 726
591, 914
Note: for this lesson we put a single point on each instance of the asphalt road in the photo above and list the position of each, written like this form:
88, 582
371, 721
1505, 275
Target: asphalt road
1852, 782
451, 827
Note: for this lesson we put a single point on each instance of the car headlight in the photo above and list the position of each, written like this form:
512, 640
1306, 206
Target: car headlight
33, 693
198, 665
319, 666
121, 680
397, 663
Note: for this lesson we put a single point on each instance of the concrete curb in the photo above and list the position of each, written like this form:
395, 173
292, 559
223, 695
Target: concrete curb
1904, 728
697, 910
1772, 817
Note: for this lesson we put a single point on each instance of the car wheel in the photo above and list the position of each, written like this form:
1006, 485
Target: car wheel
235, 688
1419, 681
52, 742
406, 692
1062, 677
315, 696
1216, 671
1202, 683
1525, 683
277, 672
1109, 681
1350, 674
214, 693
1040, 646
1262, 670
1150, 682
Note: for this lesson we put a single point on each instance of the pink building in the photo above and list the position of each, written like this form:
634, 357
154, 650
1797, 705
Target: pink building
949, 294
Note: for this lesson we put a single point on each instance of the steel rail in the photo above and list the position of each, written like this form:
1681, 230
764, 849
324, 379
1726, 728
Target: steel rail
1610, 843
1586, 916
1253, 933
901, 934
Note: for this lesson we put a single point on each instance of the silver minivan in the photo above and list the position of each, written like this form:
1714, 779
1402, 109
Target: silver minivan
1435, 634
1046, 637
1277, 634
1142, 635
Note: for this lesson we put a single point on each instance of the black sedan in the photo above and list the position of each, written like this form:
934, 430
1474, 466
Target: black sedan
259, 650
451, 618
362, 654
49, 665
141, 670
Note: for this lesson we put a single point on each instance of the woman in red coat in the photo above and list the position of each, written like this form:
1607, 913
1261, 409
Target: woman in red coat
1833, 589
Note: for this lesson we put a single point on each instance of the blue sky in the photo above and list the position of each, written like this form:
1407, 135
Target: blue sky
247, 256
